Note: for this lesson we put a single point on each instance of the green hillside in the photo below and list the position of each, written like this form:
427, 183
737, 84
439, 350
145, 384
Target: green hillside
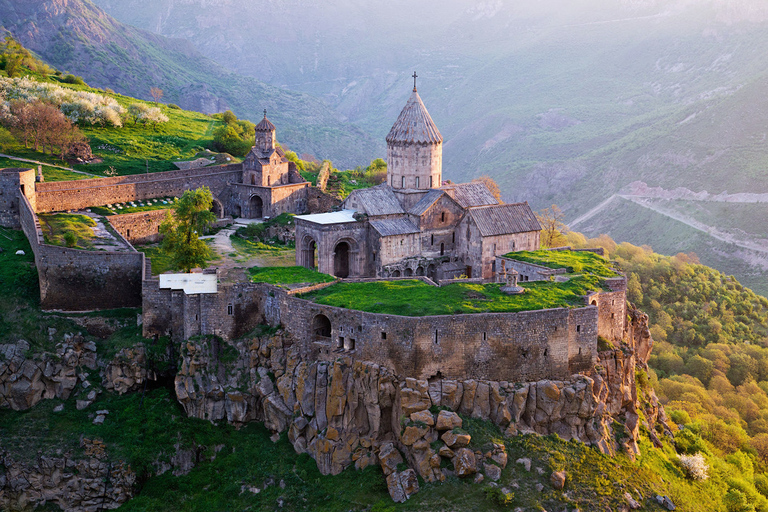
77, 37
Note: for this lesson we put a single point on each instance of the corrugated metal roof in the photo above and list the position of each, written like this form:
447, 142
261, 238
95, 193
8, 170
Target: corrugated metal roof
425, 202
341, 217
378, 200
470, 194
414, 124
392, 227
504, 219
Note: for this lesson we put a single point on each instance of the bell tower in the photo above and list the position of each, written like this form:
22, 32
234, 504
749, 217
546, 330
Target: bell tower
414, 148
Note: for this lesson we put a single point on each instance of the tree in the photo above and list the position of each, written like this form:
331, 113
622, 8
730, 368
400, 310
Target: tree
552, 227
156, 93
191, 216
493, 187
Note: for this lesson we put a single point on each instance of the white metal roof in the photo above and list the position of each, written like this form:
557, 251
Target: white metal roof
329, 218
191, 283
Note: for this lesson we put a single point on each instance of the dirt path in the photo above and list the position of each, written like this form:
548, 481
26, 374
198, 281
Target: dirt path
48, 165
222, 244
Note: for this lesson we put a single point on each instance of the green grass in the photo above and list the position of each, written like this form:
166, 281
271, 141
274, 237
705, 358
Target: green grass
103, 210
416, 298
49, 173
288, 275
55, 227
576, 262
161, 262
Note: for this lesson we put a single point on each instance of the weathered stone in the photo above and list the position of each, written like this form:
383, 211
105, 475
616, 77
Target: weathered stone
447, 420
525, 461
412, 434
446, 452
492, 471
665, 502
464, 462
409, 482
395, 488
631, 503
389, 458
423, 417
456, 440
557, 479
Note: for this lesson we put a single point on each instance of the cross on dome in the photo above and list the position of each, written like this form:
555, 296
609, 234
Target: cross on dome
414, 80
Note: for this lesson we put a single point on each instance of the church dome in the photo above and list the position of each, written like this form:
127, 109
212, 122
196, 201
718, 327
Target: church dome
265, 125
414, 124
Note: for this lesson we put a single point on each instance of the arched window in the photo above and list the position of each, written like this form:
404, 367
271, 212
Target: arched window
417, 182
442, 217
402, 182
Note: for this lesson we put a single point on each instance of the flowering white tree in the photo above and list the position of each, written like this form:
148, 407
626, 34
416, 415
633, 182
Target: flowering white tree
694, 466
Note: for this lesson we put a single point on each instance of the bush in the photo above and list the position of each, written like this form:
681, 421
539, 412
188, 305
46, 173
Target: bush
72, 79
736, 501
499, 497
680, 417
695, 466
70, 239
173, 106
689, 443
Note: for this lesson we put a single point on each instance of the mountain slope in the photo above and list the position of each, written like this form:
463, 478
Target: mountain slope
77, 36
560, 102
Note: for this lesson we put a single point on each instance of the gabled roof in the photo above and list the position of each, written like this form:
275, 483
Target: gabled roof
393, 227
426, 201
470, 194
504, 219
378, 200
414, 124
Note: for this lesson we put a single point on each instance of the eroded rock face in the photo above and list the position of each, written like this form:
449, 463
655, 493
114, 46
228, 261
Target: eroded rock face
85, 485
347, 411
26, 379
127, 371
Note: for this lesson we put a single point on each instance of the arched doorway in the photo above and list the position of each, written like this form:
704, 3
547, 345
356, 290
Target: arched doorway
237, 211
309, 253
395, 273
321, 327
257, 207
431, 271
341, 260
419, 270
408, 272
217, 209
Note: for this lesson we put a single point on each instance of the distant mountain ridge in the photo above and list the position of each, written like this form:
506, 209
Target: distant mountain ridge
560, 102
77, 36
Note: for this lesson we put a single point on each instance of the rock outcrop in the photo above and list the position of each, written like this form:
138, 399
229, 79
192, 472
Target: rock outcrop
347, 411
83, 485
27, 379
127, 370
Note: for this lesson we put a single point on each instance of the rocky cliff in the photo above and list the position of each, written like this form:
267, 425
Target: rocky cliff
343, 412
353, 412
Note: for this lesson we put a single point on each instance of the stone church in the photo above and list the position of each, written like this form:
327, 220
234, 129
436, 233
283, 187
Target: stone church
414, 224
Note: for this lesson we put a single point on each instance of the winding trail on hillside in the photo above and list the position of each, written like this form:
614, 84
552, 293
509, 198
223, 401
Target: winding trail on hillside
19, 159
645, 202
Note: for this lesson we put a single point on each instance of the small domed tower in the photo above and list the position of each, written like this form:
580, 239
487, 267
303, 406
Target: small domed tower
414, 148
265, 135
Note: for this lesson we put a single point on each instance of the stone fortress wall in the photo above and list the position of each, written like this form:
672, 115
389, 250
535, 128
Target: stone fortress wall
523, 346
77, 280
139, 227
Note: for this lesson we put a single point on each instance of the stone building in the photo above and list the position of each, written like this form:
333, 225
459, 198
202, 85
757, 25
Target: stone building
414, 224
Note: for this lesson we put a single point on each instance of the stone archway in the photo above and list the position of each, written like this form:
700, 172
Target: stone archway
419, 270
308, 253
257, 207
237, 212
217, 209
432, 271
408, 272
341, 260
395, 273
321, 327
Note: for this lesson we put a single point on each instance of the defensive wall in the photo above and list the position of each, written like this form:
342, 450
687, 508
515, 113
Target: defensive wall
78, 280
523, 346
75, 195
140, 227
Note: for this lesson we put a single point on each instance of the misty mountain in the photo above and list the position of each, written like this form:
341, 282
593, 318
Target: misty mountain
559, 101
78, 37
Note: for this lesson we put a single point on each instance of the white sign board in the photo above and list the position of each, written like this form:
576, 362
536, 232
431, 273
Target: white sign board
192, 284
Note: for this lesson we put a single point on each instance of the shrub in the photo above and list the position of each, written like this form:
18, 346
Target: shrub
680, 417
173, 106
70, 239
736, 501
72, 79
695, 466
688, 442
499, 497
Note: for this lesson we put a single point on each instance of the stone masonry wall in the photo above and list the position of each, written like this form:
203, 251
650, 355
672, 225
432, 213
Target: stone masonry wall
77, 280
72, 195
140, 227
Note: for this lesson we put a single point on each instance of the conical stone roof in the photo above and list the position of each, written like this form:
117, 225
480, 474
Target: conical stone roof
414, 124
265, 125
